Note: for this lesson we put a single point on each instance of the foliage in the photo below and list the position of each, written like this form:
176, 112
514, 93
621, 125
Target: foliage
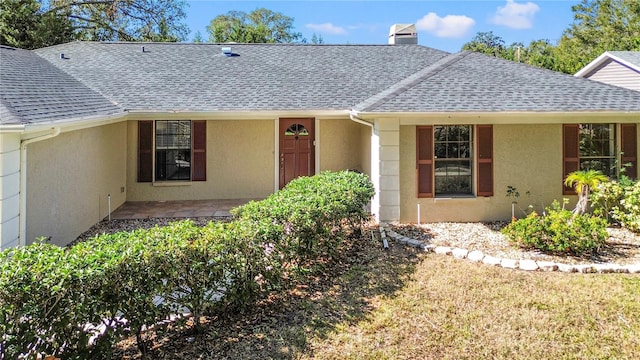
31, 24
25, 24
583, 181
599, 26
53, 300
259, 26
486, 43
559, 232
619, 202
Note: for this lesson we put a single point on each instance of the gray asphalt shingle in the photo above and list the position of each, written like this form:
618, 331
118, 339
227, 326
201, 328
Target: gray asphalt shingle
198, 77
632, 57
478, 83
34, 91
111, 78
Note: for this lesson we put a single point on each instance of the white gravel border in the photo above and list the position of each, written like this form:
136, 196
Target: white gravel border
524, 265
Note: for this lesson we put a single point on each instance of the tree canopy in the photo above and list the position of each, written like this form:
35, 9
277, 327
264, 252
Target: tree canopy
598, 26
35, 23
259, 26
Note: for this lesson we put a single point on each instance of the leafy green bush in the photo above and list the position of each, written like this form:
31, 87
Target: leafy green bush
306, 217
48, 295
619, 201
559, 232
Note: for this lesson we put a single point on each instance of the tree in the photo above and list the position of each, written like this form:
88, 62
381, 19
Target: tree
24, 24
197, 38
36, 23
317, 39
583, 181
259, 26
486, 43
599, 26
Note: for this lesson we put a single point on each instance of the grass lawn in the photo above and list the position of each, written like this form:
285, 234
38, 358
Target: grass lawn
402, 304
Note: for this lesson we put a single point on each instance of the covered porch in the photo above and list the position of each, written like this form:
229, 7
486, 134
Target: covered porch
177, 208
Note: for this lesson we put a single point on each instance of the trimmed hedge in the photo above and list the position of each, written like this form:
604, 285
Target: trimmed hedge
128, 281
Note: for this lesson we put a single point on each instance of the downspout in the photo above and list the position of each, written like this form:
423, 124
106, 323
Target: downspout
23, 181
353, 115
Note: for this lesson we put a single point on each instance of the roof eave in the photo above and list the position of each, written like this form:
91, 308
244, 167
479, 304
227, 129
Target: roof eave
140, 114
504, 117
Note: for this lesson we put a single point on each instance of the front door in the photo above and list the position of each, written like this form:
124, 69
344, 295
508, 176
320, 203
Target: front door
297, 149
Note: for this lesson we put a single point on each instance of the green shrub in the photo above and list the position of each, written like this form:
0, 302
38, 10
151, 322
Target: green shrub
305, 218
49, 294
619, 202
558, 232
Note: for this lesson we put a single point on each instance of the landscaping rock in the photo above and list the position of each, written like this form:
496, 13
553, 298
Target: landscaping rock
568, 268
491, 260
633, 268
509, 263
528, 265
475, 255
547, 265
427, 247
459, 253
586, 269
442, 250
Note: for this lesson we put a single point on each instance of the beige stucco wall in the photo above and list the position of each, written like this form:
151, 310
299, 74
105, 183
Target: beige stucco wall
69, 178
341, 145
240, 164
365, 149
528, 157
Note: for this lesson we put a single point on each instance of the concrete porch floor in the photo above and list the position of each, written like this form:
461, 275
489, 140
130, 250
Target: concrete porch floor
176, 209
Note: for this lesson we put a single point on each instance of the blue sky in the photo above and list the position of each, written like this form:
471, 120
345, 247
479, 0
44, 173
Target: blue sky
444, 25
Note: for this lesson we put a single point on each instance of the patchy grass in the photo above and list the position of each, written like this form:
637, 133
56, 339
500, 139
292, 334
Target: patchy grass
400, 304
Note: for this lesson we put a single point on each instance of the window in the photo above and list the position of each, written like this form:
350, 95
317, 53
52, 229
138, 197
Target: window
173, 150
446, 160
598, 148
595, 147
452, 157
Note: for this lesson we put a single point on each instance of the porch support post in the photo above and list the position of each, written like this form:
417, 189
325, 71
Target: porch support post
9, 190
387, 158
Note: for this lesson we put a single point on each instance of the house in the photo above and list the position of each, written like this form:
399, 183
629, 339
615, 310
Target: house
620, 68
88, 124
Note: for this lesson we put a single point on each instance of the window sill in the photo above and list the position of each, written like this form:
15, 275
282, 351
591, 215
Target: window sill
171, 183
453, 198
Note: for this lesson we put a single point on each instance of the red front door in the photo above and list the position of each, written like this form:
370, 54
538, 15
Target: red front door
297, 149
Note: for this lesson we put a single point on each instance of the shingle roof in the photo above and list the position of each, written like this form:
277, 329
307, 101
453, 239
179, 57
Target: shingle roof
198, 77
631, 57
112, 78
472, 82
34, 91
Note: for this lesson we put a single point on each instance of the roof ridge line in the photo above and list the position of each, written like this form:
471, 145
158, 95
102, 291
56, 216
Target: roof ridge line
410, 81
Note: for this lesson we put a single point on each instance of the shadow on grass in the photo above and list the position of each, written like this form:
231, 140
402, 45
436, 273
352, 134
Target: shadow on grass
282, 326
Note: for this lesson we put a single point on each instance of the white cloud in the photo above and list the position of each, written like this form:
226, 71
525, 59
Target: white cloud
327, 28
450, 26
515, 15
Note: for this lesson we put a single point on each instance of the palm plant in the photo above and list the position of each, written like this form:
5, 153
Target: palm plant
583, 181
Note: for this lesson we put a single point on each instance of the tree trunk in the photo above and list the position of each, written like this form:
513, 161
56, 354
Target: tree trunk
583, 202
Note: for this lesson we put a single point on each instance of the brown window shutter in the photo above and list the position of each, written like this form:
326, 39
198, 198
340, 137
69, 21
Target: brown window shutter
485, 160
570, 153
424, 160
199, 153
145, 151
629, 148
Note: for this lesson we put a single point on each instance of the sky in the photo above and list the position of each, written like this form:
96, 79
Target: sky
444, 25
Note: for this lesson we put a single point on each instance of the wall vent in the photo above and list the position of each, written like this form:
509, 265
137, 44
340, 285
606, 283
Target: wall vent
403, 34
